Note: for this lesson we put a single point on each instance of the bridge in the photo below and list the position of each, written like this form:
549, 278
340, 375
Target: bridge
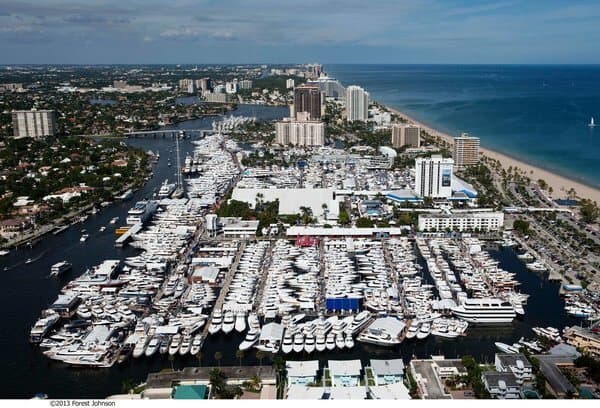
164, 133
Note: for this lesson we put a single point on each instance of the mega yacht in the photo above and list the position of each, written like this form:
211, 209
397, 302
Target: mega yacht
42, 327
330, 342
196, 345
288, 343
228, 322
59, 268
152, 347
141, 212
485, 311
251, 339
298, 343
186, 344
216, 322
175, 344
166, 190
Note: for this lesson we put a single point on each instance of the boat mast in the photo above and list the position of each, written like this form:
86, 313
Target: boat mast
179, 181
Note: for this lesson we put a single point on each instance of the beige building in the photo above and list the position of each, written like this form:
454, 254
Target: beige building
33, 123
406, 135
466, 150
584, 339
300, 133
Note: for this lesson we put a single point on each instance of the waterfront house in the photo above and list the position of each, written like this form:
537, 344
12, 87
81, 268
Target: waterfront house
302, 372
344, 373
516, 364
501, 385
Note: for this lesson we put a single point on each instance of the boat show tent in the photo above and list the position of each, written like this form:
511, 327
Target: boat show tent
301, 372
167, 329
390, 392
342, 304
271, 332
302, 392
348, 393
390, 325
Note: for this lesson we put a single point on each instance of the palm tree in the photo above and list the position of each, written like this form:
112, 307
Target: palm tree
171, 358
260, 355
240, 355
199, 358
218, 357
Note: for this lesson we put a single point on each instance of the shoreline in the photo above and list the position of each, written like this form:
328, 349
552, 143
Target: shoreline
559, 184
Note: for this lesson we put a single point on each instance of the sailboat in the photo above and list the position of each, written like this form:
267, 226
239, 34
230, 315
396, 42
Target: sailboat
592, 124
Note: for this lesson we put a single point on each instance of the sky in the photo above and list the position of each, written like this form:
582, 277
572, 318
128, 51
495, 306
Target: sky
296, 31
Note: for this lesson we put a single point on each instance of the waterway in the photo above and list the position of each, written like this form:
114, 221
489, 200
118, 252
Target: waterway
29, 290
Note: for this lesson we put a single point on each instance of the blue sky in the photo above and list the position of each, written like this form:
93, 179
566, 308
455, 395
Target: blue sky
281, 31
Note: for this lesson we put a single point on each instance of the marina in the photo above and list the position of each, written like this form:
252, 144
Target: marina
348, 298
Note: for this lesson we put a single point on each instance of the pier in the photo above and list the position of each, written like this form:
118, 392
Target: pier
123, 239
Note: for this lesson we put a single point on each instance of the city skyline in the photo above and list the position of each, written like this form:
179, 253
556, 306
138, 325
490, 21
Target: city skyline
184, 31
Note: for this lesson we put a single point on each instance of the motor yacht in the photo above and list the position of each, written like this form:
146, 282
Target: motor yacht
228, 322
153, 346
250, 340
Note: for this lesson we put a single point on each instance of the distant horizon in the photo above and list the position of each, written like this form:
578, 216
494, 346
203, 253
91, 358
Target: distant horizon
325, 64
346, 31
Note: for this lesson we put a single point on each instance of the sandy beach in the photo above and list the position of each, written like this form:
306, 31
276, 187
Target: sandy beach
559, 184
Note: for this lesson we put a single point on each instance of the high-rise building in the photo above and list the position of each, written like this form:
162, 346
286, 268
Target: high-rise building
33, 123
289, 83
331, 87
466, 150
245, 84
300, 133
433, 176
204, 84
187, 85
406, 135
307, 98
314, 70
231, 87
357, 104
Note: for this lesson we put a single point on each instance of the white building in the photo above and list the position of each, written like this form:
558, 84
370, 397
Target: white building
516, 364
300, 133
466, 150
289, 83
238, 228
433, 176
501, 385
33, 123
215, 97
245, 84
231, 87
465, 221
357, 104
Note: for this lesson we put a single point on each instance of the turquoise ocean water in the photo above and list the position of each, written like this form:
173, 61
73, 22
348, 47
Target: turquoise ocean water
538, 114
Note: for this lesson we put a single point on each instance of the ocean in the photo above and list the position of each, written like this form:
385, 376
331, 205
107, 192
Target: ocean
537, 114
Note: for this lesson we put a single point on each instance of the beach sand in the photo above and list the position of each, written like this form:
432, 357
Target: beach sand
559, 184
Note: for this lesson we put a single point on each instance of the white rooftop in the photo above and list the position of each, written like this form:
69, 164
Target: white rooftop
344, 367
302, 368
348, 393
390, 391
302, 392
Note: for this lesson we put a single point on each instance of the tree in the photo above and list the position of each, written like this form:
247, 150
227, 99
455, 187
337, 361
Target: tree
171, 358
344, 218
218, 357
521, 226
199, 358
588, 210
240, 355
260, 355
127, 386
364, 222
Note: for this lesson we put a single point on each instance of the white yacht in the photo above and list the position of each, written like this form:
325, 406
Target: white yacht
424, 331
60, 268
196, 345
288, 343
330, 342
166, 190
378, 337
216, 322
84, 237
175, 344
186, 344
413, 330
505, 348
228, 322
141, 212
485, 311
152, 347
309, 343
42, 327
251, 339
298, 343
320, 342
240, 322
140, 346
592, 123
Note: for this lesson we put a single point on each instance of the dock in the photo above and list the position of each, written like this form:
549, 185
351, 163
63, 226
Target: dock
123, 239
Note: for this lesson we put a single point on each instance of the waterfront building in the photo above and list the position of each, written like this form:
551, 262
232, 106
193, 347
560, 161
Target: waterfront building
583, 339
501, 385
462, 221
231, 87
12, 87
234, 227
357, 104
245, 84
289, 83
204, 84
215, 97
33, 123
187, 85
466, 150
433, 176
307, 102
516, 364
406, 135
300, 132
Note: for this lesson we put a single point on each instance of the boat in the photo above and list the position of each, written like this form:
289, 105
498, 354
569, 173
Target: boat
102, 228
592, 123
186, 344
330, 342
378, 337
84, 237
175, 344
288, 343
60, 268
140, 346
298, 346
228, 322
349, 341
126, 195
196, 345
240, 322
153, 346
216, 322
166, 190
43, 326
4, 252
28, 261
485, 311
114, 220
141, 212
505, 348
320, 342
413, 329
164, 345
339, 341
250, 340
309, 343
424, 331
